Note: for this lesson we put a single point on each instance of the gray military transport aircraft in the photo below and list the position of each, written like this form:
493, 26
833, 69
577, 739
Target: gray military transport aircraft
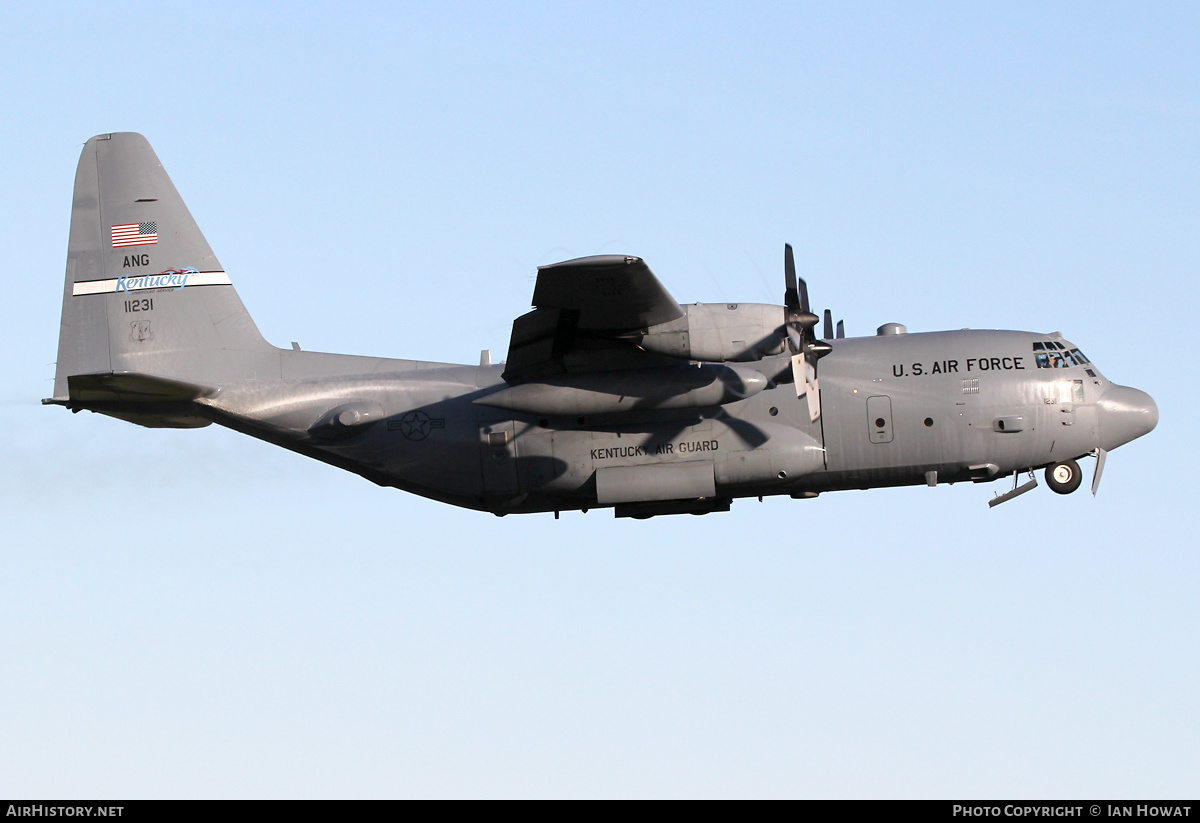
612, 394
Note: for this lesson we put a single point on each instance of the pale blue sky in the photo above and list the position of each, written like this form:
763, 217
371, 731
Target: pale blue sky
195, 613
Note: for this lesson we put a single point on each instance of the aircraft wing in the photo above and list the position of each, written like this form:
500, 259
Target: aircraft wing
610, 292
585, 313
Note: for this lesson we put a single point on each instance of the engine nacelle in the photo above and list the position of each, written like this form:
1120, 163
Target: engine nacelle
670, 387
720, 332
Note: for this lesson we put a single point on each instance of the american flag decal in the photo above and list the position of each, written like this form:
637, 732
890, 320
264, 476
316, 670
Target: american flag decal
135, 234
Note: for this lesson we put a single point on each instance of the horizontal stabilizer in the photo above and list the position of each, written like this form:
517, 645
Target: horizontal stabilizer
131, 387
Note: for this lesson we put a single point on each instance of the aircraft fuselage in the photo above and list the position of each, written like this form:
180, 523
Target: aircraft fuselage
965, 405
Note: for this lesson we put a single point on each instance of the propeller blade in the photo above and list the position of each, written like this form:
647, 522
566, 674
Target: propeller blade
795, 338
814, 400
804, 297
799, 322
804, 375
841, 330
813, 352
797, 317
791, 297
799, 367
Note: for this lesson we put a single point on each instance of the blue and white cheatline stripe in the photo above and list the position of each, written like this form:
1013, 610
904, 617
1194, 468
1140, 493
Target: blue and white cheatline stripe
162, 280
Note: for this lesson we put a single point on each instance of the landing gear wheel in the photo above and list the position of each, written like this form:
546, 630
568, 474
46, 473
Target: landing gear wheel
1064, 477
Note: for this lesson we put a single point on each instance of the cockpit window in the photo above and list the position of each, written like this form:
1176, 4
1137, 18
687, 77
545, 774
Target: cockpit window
1054, 355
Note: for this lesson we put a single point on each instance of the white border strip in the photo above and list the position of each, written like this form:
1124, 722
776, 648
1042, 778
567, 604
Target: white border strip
165, 280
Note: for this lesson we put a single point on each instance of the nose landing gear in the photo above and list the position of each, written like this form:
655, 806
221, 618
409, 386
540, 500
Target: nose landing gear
1064, 477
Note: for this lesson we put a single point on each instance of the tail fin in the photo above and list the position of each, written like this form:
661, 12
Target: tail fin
144, 293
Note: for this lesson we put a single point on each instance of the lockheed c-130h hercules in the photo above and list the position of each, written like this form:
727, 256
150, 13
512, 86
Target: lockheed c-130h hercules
612, 394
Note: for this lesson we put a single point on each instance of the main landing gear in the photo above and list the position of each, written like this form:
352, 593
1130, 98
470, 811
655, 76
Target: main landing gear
1064, 477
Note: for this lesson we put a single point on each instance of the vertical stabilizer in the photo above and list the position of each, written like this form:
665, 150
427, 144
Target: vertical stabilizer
144, 293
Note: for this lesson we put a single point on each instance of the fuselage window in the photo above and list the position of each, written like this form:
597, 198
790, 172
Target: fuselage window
1070, 391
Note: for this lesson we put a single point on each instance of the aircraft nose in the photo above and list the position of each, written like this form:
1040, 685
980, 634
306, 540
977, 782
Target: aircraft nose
1125, 414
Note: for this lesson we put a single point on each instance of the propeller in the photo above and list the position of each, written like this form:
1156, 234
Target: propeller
828, 327
803, 344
